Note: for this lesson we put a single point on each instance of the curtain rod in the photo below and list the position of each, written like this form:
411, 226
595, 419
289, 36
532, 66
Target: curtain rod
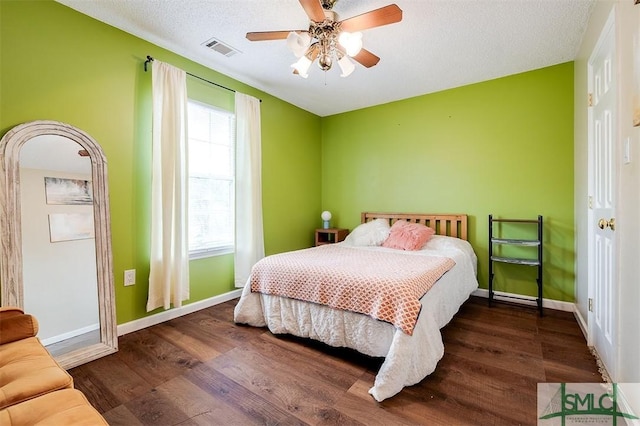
150, 59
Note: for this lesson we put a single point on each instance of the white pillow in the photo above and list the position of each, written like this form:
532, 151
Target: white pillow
369, 234
441, 242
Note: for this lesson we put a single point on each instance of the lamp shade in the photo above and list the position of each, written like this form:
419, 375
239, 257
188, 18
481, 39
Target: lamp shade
346, 66
298, 43
302, 66
352, 42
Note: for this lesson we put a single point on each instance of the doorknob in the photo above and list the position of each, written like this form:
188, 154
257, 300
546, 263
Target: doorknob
603, 223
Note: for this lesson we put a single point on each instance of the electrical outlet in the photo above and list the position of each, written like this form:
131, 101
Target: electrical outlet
130, 277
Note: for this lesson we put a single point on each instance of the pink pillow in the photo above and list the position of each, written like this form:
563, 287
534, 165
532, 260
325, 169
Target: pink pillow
408, 236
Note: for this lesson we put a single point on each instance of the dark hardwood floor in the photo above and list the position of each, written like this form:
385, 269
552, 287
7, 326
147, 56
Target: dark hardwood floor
202, 369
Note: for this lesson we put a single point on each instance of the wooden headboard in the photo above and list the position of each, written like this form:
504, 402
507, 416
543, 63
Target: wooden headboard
451, 225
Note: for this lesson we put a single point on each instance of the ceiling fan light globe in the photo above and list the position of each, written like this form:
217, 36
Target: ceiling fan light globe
325, 62
298, 43
302, 66
352, 42
346, 66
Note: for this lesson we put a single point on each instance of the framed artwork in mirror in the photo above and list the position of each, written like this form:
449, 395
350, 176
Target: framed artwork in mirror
70, 226
68, 191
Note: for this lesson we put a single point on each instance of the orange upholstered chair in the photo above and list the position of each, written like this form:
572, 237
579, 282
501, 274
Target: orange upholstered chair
34, 389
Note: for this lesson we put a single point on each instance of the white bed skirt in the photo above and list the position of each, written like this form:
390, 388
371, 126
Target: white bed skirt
408, 359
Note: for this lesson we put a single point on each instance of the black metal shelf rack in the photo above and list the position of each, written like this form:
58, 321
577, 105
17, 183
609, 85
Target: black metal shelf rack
533, 261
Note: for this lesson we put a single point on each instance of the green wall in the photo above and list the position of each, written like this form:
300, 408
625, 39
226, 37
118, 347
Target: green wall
503, 146
58, 64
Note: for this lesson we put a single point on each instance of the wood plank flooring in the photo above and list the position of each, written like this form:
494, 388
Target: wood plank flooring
202, 369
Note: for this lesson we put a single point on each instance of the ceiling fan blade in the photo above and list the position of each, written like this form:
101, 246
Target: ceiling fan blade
270, 35
314, 10
366, 58
375, 18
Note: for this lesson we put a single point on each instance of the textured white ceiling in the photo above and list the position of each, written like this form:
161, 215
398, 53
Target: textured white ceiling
439, 44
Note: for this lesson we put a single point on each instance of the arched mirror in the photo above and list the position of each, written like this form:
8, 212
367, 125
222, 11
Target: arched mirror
55, 256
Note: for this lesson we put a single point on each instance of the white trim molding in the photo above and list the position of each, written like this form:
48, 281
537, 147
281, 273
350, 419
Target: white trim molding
70, 334
582, 323
558, 305
139, 324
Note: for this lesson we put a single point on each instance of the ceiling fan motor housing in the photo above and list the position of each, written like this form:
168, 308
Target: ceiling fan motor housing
323, 30
326, 32
328, 4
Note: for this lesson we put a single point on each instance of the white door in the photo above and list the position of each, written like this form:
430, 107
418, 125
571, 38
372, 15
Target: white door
602, 173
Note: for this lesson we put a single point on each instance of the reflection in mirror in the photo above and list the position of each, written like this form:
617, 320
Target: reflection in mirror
44, 227
58, 244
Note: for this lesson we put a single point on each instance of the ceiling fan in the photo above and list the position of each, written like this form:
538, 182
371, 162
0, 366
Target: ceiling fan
329, 39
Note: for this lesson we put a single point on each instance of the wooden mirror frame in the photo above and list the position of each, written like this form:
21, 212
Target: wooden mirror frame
11, 266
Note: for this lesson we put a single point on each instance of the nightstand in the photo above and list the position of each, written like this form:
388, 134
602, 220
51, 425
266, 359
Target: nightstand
330, 236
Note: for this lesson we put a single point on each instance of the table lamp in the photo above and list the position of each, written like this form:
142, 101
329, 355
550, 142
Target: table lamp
326, 217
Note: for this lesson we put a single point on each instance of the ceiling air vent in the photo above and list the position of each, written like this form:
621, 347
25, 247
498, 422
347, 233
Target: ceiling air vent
220, 47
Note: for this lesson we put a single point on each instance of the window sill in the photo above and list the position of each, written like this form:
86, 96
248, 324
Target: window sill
218, 251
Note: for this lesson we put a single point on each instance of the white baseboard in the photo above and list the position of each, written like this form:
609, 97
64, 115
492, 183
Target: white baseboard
629, 392
69, 334
160, 317
526, 300
582, 323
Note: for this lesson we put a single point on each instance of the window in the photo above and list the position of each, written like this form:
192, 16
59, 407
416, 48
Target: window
211, 180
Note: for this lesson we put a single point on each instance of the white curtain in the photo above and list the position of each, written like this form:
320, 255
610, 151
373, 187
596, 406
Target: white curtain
249, 244
169, 277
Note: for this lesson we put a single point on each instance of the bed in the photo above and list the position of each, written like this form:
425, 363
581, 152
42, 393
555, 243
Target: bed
409, 356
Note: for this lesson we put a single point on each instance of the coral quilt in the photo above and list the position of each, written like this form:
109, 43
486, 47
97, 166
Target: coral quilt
384, 285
